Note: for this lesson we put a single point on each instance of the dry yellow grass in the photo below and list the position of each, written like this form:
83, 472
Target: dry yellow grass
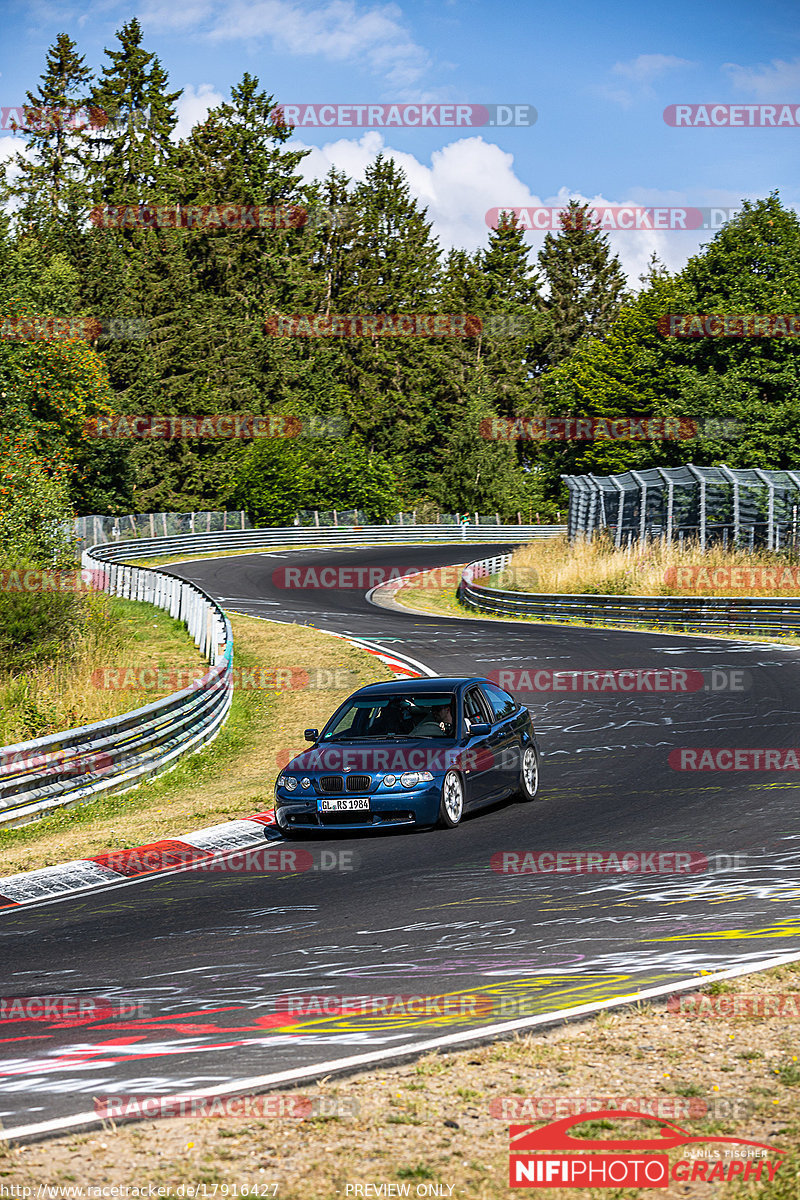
117, 635
432, 1121
653, 569
232, 777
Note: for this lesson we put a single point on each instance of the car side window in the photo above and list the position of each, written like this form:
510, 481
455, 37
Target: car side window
476, 709
501, 703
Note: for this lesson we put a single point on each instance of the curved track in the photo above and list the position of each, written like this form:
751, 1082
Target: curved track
424, 913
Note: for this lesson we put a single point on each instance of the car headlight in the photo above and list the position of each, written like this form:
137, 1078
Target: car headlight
305, 782
390, 780
287, 781
412, 778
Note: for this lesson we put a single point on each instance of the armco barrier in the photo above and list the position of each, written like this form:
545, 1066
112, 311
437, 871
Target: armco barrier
73, 767
339, 536
724, 614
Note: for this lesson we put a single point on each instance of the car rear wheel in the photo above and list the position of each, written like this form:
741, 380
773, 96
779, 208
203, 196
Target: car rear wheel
451, 805
529, 774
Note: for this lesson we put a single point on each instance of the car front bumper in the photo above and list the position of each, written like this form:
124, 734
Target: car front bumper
401, 806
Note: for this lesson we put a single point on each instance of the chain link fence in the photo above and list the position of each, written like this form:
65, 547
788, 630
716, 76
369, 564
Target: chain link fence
747, 508
96, 530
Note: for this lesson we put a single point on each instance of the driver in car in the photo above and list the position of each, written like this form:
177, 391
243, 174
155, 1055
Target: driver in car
439, 721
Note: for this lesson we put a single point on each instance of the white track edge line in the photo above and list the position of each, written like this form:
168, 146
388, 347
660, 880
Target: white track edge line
298, 1074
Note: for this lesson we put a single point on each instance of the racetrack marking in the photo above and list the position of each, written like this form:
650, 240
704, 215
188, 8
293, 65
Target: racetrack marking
87, 1120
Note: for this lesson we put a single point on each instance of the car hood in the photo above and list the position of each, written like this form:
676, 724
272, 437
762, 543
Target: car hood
414, 754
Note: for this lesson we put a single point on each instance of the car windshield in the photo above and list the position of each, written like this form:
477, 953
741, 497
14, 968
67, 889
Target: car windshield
401, 715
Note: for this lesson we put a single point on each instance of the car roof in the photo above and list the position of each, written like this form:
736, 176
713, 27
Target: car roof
439, 683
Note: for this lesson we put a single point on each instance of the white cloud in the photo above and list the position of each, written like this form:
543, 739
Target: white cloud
193, 106
640, 72
340, 31
647, 67
779, 81
10, 147
468, 177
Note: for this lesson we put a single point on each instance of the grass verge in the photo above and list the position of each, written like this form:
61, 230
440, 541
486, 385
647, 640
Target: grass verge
82, 685
427, 593
231, 777
597, 568
346, 543
431, 1121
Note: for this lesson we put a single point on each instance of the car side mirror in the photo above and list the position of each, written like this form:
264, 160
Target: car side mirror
479, 729
311, 735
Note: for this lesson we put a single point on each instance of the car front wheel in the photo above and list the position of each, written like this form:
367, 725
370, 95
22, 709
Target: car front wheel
529, 774
451, 805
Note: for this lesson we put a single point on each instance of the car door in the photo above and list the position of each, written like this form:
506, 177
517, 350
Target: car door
477, 756
505, 737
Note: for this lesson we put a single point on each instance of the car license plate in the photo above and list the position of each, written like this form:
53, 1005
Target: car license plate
359, 804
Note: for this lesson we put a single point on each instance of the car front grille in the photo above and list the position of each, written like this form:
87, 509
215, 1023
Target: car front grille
350, 783
331, 783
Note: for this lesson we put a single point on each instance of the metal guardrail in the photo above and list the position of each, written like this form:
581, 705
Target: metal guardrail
72, 767
302, 536
738, 614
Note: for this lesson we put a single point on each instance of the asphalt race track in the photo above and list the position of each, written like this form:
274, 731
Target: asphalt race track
204, 957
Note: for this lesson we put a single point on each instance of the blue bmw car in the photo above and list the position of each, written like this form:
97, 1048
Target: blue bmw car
410, 752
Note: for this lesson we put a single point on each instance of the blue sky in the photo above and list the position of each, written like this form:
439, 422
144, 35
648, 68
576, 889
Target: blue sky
599, 75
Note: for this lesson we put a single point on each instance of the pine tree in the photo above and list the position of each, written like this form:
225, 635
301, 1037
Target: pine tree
50, 187
133, 151
391, 267
585, 282
513, 326
394, 265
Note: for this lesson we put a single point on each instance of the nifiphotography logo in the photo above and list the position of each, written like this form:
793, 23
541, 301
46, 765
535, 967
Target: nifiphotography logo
625, 1163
